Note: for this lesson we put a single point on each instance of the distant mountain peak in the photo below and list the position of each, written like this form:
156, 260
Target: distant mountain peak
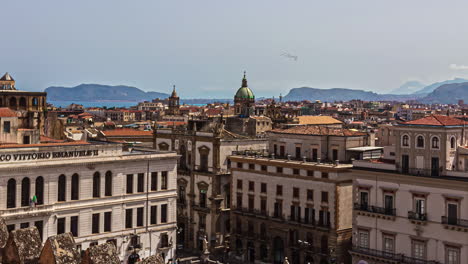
409, 87
100, 92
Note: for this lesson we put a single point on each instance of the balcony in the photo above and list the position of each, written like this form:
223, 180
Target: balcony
387, 257
417, 218
455, 223
201, 207
375, 211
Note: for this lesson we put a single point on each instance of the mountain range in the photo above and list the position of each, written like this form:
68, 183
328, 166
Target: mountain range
99, 92
445, 92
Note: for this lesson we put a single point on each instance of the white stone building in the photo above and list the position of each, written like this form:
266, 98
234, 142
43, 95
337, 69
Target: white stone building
96, 191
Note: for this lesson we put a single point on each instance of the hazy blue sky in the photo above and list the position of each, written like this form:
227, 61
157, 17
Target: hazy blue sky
204, 46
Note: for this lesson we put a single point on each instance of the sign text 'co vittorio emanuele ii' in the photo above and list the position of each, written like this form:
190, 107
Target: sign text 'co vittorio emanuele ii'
48, 155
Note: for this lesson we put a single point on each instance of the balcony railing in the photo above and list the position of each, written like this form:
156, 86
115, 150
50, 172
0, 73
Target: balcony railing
454, 221
400, 258
375, 209
417, 216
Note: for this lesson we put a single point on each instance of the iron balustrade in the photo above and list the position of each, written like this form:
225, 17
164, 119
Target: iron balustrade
454, 221
417, 216
400, 258
375, 209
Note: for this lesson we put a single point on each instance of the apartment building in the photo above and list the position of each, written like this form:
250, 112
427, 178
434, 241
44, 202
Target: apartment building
414, 209
295, 203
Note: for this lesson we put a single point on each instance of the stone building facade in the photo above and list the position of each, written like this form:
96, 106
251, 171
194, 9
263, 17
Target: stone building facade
204, 180
98, 192
412, 209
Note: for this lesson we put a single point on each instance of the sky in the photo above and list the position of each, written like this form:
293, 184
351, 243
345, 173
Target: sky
204, 46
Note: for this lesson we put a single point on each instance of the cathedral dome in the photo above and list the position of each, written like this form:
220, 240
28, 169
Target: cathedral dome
244, 92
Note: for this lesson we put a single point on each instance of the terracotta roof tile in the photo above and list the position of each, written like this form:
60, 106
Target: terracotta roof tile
319, 131
317, 120
437, 120
126, 132
7, 112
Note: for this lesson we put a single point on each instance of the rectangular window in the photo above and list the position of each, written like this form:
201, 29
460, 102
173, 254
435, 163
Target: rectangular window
239, 200
74, 225
107, 221
164, 213
251, 166
251, 186
129, 218
40, 227
324, 175
279, 190
140, 182
251, 203
202, 221
60, 226
140, 216
310, 173
309, 217
418, 249
278, 209
310, 195
10, 227
154, 214
264, 167
389, 243
239, 184
164, 180
24, 225
263, 187
452, 255
129, 183
363, 238
279, 169
6, 127
324, 197
95, 224
239, 165
154, 181
296, 171
263, 206
295, 192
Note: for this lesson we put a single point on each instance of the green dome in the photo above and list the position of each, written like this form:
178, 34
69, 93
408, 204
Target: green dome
244, 93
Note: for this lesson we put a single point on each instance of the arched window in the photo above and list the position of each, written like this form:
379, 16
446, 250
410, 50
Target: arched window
40, 190
11, 193
22, 103
97, 184
25, 192
435, 142
75, 187
204, 152
62, 188
13, 103
35, 101
453, 142
405, 141
420, 142
108, 187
